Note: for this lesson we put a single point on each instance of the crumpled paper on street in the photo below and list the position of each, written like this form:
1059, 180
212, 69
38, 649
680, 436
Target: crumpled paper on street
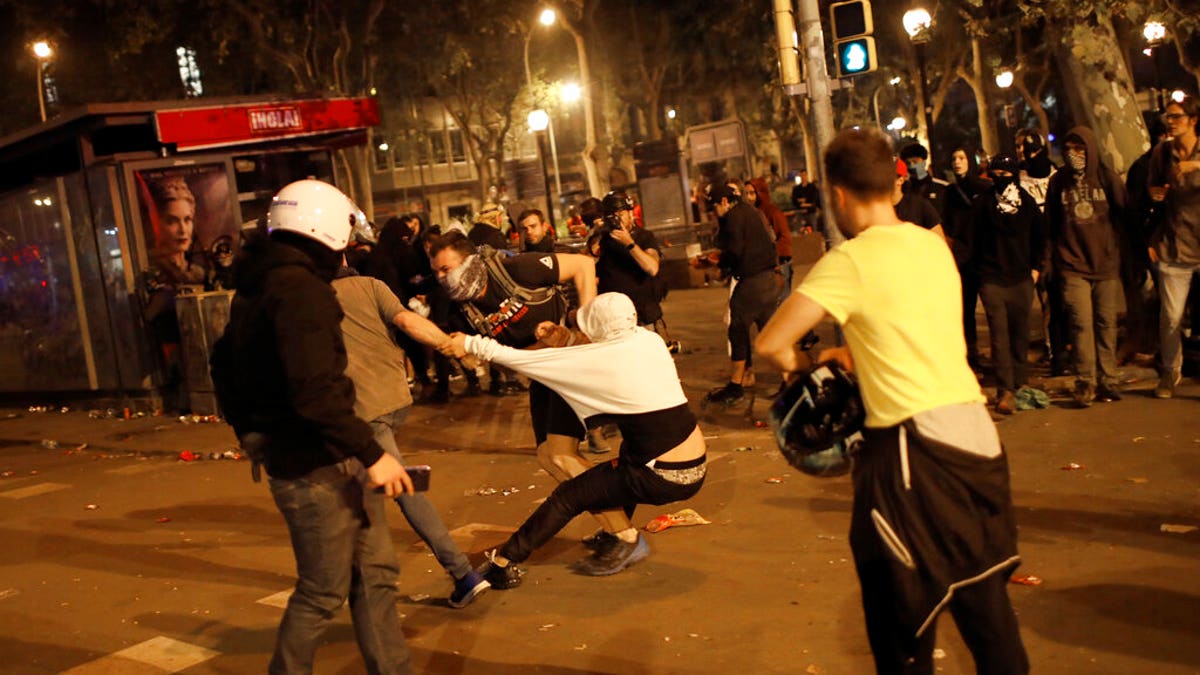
679, 518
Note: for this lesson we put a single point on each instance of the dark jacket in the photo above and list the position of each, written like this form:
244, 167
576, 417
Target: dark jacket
279, 369
484, 234
960, 195
1085, 215
1006, 247
746, 247
933, 189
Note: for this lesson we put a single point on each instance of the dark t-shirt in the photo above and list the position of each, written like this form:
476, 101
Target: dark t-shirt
618, 272
916, 209
513, 322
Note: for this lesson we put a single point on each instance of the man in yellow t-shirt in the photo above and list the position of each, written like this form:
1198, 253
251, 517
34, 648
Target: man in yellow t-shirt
932, 526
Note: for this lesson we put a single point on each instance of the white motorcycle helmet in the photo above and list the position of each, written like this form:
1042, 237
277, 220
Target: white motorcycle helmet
318, 211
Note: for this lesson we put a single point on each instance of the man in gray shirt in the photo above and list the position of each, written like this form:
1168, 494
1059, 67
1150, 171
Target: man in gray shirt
376, 366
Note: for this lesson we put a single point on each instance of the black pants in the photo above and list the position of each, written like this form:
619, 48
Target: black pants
1007, 309
970, 294
551, 414
1058, 326
752, 304
982, 612
615, 484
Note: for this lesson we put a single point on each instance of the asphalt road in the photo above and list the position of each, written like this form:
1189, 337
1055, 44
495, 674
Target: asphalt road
119, 558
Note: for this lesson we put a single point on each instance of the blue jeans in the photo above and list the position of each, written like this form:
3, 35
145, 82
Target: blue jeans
418, 511
1092, 307
343, 551
1174, 282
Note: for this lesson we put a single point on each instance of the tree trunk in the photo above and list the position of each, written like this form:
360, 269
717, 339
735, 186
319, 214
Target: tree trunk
1100, 90
356, 163
976, 79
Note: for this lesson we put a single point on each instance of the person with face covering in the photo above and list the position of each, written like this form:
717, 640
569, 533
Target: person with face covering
1086, 207
921, 180
1008, 252
662, 455
967, 185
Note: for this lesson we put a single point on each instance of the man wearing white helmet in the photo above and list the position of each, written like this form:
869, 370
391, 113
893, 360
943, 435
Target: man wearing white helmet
279, 371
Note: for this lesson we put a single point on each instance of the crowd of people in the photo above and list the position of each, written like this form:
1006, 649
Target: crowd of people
311, 369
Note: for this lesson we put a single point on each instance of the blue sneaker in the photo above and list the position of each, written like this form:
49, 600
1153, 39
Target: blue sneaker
619, 556
467, 589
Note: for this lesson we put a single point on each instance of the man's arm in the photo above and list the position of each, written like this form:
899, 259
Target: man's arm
779, 340
421, 329
579, 269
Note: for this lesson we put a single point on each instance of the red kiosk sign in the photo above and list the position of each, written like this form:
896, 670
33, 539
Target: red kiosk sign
198, 128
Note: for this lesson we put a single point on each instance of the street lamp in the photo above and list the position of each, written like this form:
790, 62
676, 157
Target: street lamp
917, 23
1155, 32
897, 124
539, 122
43, 52
1178, 95
570, 92
1004, 79
546, 18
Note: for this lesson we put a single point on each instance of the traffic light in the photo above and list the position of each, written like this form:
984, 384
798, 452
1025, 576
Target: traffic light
855, 56
852, 41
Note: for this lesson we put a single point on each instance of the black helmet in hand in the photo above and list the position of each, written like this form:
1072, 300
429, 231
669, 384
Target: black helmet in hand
616, 201
815, 417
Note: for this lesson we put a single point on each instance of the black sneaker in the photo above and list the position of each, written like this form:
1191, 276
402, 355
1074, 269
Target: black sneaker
617, 558
467, 589
501, 578
473, 390
1106, 394
729, 395
600, 542
497, 388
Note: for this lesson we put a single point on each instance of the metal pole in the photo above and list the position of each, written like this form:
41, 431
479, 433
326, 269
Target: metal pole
925, 117
1158, 88
812, 42
541, 144
875, 102
554, 157
41, 73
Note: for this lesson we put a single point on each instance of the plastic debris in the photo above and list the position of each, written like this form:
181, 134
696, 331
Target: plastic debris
681, 518
581, 647
774, 480
743, 448
8, 593
1177, 529
509, 490
760, 424
8, 474
480, 492
1072, 466
164, 519
91, 507
49, 444
231, 454
1138, 480
939, 653
1138, 439
1029, 398
1025, 580
39, 408
814, 669
418, 597
547, 626
188, 456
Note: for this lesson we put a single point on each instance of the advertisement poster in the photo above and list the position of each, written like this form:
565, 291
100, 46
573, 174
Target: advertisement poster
190, 225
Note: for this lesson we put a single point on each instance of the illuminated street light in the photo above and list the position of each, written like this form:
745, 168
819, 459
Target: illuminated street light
1004, 79
570, 92
383, 147
1154, 32
898, 123
538, 120
671, 113
894, 81
1178, 95
43, 52
917, 22
547, 17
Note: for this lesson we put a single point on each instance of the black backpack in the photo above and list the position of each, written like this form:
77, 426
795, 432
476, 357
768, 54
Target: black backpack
531, 297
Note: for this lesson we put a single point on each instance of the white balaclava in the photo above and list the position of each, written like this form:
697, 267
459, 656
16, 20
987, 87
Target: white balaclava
608, 316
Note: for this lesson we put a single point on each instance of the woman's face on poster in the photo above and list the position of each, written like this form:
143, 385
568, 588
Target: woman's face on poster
177, 220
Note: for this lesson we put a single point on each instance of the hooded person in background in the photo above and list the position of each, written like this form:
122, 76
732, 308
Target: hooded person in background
488, 228
959, 230
921, 180
1086, 206
1036, 167
280, 376
912, 207
779, 227
1008, 252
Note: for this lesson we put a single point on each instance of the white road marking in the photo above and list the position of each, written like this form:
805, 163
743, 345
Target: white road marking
34, 490
279, 599
162, 653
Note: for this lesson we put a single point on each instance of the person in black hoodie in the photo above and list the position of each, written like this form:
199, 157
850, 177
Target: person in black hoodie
967, 185
748, 256
1085, 207
1008, 250
279, 371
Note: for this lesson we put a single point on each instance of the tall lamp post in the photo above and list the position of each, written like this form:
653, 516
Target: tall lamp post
917, 23
1155, 33
42, 51
546, 18
1004, 80
539, 121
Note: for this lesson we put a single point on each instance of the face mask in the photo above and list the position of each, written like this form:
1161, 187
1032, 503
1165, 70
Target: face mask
919, 170
1030, 149
1077, 160
1008, 195
1002, 183
465, 282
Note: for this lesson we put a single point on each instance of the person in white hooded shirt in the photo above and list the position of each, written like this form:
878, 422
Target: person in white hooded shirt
662, 455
